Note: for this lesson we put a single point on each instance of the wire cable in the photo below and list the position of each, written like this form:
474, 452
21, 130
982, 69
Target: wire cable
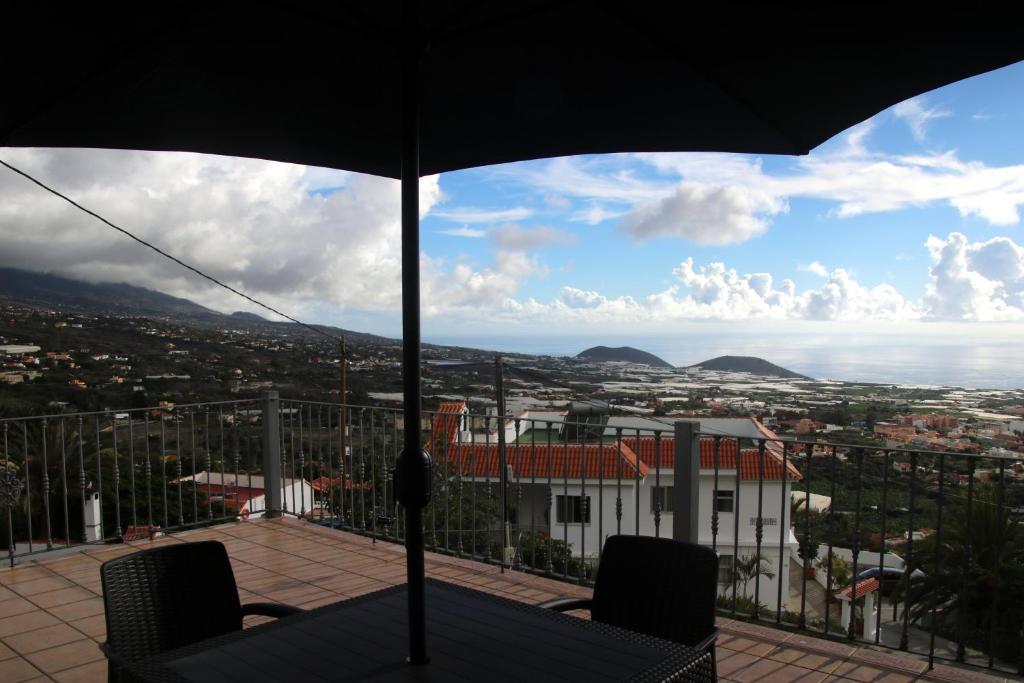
163, 253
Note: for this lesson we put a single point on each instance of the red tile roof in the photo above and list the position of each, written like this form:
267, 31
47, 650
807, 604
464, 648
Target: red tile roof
541, 461
862, 588
446, 421
750, 458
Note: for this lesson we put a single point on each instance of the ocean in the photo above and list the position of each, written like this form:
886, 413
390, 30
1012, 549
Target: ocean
950, 360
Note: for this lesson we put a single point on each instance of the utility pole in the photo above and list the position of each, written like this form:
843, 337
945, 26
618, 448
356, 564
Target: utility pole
499, 385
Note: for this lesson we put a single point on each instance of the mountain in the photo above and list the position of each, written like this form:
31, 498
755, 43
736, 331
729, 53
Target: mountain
623, 353
248, 317
755, 366
54, 291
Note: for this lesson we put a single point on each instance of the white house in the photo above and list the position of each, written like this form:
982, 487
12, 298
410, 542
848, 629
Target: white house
246, 494
582, 493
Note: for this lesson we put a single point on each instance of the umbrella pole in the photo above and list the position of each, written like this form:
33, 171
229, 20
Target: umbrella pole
413, 477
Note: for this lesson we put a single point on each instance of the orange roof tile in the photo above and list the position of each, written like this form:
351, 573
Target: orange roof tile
750, 460
541, 461
862, 588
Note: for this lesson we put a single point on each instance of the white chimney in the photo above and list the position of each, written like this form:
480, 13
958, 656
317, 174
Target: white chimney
93, 517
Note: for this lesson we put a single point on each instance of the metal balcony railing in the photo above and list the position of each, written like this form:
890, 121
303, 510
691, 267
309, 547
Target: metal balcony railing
914, 550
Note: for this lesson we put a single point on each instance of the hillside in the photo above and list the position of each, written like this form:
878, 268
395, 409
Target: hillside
41, 289
623, 353
755, 366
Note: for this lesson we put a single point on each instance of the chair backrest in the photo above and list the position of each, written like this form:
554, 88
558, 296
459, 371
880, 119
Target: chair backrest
657, 586
168, 597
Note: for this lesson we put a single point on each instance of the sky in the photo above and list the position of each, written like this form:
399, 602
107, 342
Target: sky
909, 222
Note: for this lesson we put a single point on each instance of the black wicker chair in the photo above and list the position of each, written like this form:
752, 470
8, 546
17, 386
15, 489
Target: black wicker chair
656, 586
171, 596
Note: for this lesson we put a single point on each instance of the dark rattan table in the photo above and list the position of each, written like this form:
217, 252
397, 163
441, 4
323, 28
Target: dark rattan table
472, 636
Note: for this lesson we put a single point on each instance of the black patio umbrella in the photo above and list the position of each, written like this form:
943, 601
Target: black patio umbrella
401, 89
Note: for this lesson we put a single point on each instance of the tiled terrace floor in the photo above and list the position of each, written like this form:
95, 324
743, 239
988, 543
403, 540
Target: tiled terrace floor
51, 612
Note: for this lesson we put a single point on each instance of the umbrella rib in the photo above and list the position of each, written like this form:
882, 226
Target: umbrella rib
687, 59
450, 33
130, 49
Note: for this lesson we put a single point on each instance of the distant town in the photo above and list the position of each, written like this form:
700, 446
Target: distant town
59, 360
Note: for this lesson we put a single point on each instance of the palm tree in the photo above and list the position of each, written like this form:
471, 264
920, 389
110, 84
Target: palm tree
979, 564
749, 567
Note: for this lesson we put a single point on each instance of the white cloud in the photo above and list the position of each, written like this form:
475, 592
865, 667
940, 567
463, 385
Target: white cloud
705, 214
918, 116
474, 215
464, 231
813, 267
514, 237
256, 225
594, 214
980, 281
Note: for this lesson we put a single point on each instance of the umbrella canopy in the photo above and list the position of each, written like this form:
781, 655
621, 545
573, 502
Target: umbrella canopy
319, 83
404, 89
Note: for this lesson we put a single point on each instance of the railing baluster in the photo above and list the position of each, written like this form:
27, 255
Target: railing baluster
783, 529
937, 568
117, 475
489, 458
149, 474
759, 525
10, 508
581, 435
517, 560
831, 528
855, 546
1000, 540
909, 564
223, 473
303, 432
131, 469
961, 641
46, 484
636, 483
163, 469
28, 481
534, 541
460, 524
330, 468
736, 519
362, 471
179, 454
882, 544
657, 494
807, 559
618, 480
81, 469
552, 503
564, 507
195, 454
373, 475
716, 445
64, 484
99, 479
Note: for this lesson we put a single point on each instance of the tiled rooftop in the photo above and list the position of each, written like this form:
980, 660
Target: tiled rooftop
51, 612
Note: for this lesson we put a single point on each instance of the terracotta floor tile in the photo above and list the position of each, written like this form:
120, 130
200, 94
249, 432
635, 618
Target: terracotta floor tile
61, 596
94, 627
16, 605
78, 610
730, 662
807, 660
40, 639
771, 671
95, 672
41, 585
870, 674
26, 622
66, 656
17, 670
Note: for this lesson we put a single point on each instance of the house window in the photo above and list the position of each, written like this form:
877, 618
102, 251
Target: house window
725, 569
661, 495
569, 510
723, 501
